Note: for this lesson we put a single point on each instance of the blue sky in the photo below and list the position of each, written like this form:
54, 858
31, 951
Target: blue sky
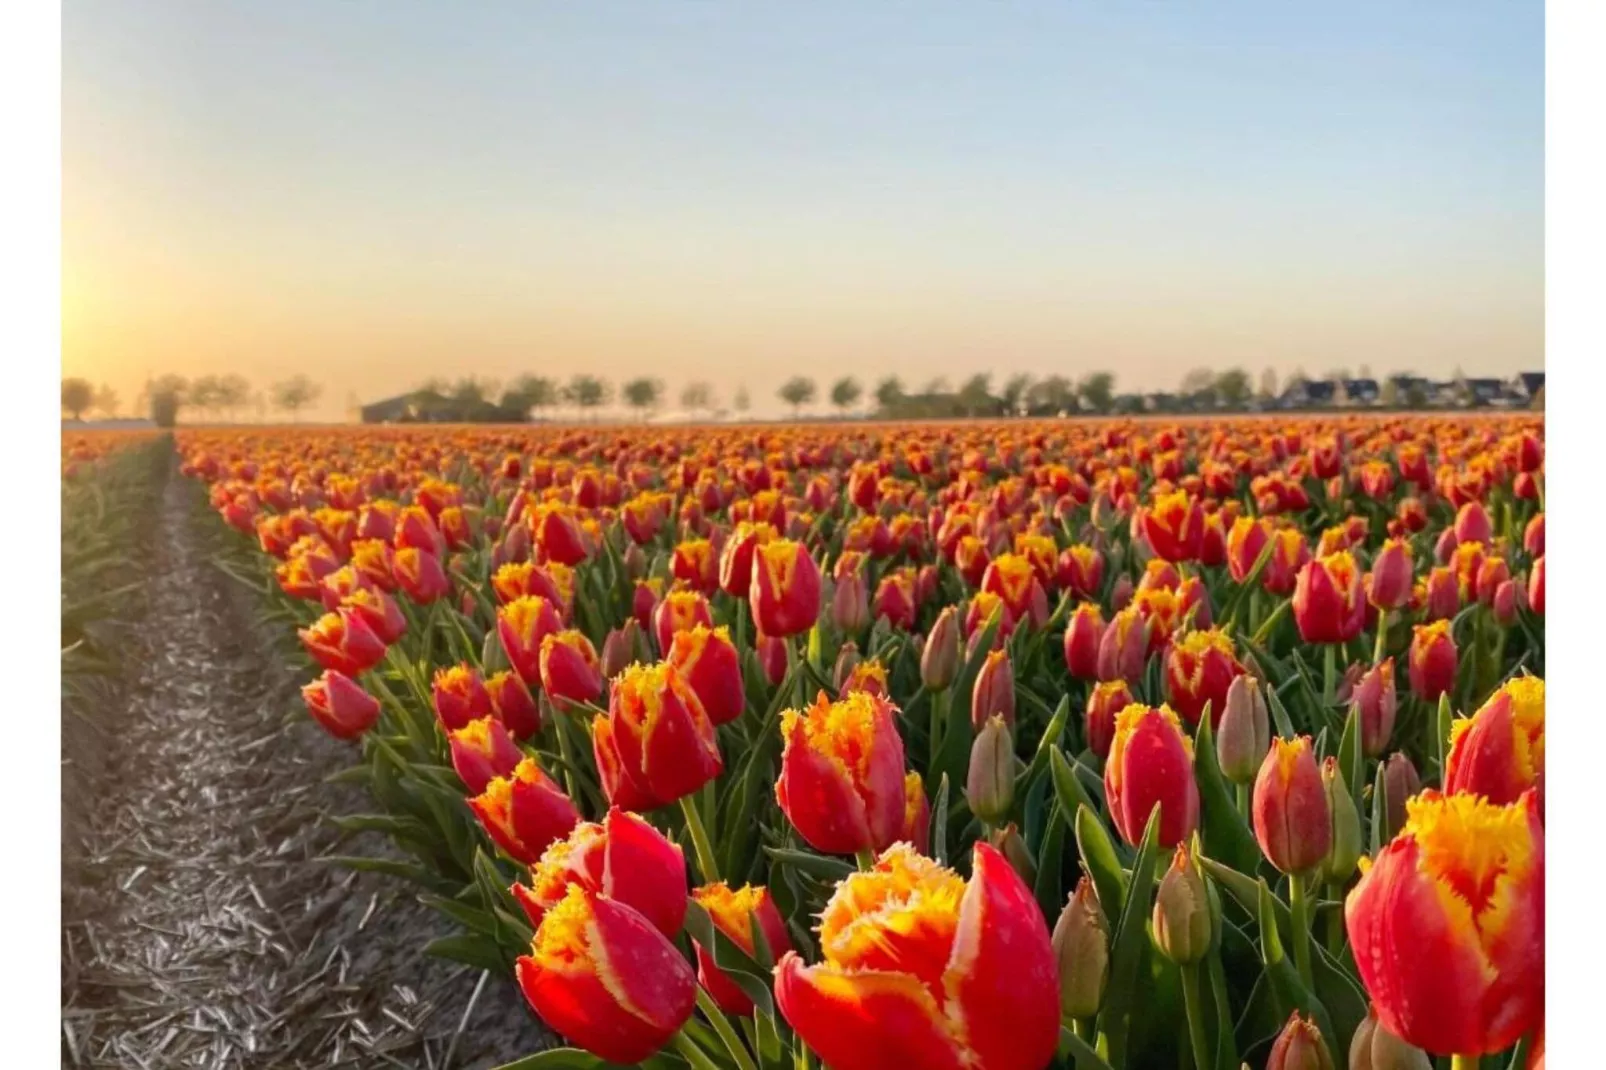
375, 192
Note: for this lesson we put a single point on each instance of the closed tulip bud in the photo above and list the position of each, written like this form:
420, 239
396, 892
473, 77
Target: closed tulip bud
522, 625
1243, 734
525, 812
994, 693
555, 529
1448, 925
1328, 603
847, 659
1533, 536
1182, 922
344, 642
939, 660
1081, 571
460, 697
1374, 694
680, 611
1121, 593
1536, 586
655, 744
708, 661
571, 980
340, 705
785, 589
734, 912
1174, 526
1400, 782
513, 704
482, 751
1082, 946
916, 814
1291, 818
990, 783
1105, 701
1124, 647
1492, 572
772, 658
1508, 602
1151, 765
1345, 849
1432, 660
1375, 1048
850, 604
619, 649
419, 573
1472, 524
570, 672
1299, 1047
1499, 752
1009, 843
1444, 546
1391, 576
1442, 594
1082, 637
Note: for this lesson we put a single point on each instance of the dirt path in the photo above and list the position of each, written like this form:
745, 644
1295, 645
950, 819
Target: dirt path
199, 929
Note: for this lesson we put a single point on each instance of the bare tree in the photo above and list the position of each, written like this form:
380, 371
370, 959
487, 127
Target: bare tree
77, 395
697, 397
294, 394
742, 401
233, 392
845, 393
797, 392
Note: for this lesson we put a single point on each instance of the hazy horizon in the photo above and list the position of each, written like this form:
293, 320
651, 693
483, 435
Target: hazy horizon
373, 194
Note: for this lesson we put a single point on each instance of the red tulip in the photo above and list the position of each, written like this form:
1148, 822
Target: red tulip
1536, 586
1150, 765
656, 743
623, 858
1472, 524
1105, 701
1174, 525
736, 560
1082, 636
339, 703
525, 812
707, 659
841, 782
1328, 603
1448, 925
785, 591
1124, 648
513, 704
570, 672
460, 697
1081, 571
1292, 822
916, 813
342, 641
1390, 584
734, 913
994, 691
483, 750
556, 531
522, 624
1199, 669
680, 611
1378, 702
1499, 752
1432, 660
379, 611
923, 969
419, 574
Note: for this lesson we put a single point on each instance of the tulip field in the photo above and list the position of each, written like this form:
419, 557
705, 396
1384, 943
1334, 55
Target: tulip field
967, 746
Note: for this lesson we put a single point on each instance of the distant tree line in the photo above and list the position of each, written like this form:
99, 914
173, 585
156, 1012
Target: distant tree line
209, 397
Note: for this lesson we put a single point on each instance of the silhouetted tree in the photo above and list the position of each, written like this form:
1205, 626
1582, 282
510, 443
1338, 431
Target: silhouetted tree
1051, 396
232, 393
1097, 390
588, 392
976, 396
742, 402
1014, 393
294, 394
889, 394
643, 394
105, 401
1232, 387
696, 397
1268, 383
797, 392
77, 395
531, 392
845, 393
167, 396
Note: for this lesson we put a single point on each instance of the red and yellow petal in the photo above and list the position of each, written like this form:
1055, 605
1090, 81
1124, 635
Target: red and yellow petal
865, 1020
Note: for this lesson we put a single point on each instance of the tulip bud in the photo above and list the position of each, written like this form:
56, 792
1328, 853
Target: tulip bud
1472, 524
772, 657
850, 605
990, 783
1432, 660
939, 661
1082, 637
1009, 843
1182, 922
1390, 586
1121, 593
340, 704
1124, 648
1375, 1048
1244, 734
1291, 818
1536, 586
635, 562
1299, 1047
847, 659
1104, 703
1401, 782
619, 648
1378, 702
1082, 946
1345, 849
1443, 594
1508, 601
994, 693
1533, 537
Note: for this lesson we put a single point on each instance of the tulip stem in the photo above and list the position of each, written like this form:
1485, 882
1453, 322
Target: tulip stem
699, 839
1335, 920
1299, 911
1464, 1062
1243, 800
866, 860
1380, 647
722, 1027
1196, 1021
1329, 675
939, 717
694, 1056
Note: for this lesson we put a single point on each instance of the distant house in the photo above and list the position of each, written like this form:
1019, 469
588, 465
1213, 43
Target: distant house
1527, 385
1161, 402
1308, 394
429, 407
1358, 392
1481, 393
